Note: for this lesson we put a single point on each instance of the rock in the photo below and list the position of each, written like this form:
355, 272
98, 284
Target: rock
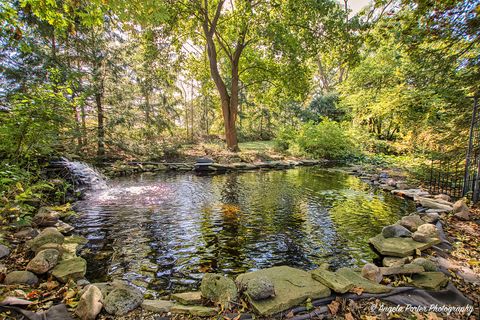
188, 298
63, 227
400, 247
361, 282
402, 185
444, 197
395, 261
48, 235
420, 237
412, 222
43, 261
434, 204
410, 193
4, 251
259, 288
90, 304
372, 273
82, 283
428, 229
430, 217
430, 280
158, 306
26, 234
332, 280
427, 264
463, 215
123, 300
218, 289
459, 206
395, 231
292, 287
405, 269
74, 269
21, 277
199, 311
46, 217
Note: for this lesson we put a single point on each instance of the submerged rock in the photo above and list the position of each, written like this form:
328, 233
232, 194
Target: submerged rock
123, 300
361, 282
188, 298
218, 289
334, 281
43, 261
372, 273
74, 269
400, 247
430, 280
90, 303
48, 235
21, 277
395, 231
292, 287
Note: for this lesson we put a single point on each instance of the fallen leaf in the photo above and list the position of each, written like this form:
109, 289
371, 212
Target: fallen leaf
357, 290
290, 314
348, 316
333, 307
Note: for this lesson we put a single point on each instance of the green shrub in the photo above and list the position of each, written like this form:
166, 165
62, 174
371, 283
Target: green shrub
285, 138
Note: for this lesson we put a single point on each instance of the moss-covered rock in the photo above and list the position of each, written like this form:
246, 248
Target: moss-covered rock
74, 269
123, 300
218, 289
48, 235
21, 277
43, 261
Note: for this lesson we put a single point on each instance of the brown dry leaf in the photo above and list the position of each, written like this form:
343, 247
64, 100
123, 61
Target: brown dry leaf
418, 316
290, 314
357, 290
348, 316
433, 316
333, 307
370, 318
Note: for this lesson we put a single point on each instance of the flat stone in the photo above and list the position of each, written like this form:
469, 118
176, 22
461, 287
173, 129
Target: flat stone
4, 251
48, 235
90, 303
199, 311
443, 197
395, 261
396, 231
43, 261
334, 281
400, 247
123, 300
427, 264
430, 280
360, 282
434, 204
21, 277
410, 193
405, 269
63, 227
26, 234
159, 306
74, 269
188, 298
292, 287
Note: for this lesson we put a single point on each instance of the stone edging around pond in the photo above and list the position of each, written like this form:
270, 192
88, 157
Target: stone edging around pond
269, 291
125, 169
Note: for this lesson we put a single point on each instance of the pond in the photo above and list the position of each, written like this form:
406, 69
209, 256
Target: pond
163, 232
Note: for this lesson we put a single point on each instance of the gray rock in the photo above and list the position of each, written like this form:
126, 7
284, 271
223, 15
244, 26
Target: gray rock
90, 304
123, 300
158, 306
74, 269
372, 273
430, 280
4, 251
428, 229
48, 235
361, 282
199, 311
463, 215
431, 217
218, 289
420, 237
434, 204
427, 264
259, 288
43, 261
395, 231
400, 247
82, 283
26, 234
332, 280
63, 227
21, 277
411, 222
395, 261
444, 197
405, 269
188, 298
46, 217
459, 206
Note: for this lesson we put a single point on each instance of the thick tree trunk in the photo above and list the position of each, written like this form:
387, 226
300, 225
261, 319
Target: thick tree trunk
100, 128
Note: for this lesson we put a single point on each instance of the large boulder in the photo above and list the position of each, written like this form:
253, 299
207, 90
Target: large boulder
334, 281
123, 300
218, 289
43, 261
372, 273
74, 269
21, 277
48, 235
292, 287
400, 247
412, 222
4, 251
395, 231
90, 303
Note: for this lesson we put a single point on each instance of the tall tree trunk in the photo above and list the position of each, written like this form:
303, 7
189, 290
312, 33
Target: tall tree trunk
100, 127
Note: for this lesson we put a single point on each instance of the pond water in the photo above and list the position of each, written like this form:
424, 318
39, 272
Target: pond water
163, 232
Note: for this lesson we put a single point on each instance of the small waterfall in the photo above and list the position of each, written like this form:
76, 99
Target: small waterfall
83, 176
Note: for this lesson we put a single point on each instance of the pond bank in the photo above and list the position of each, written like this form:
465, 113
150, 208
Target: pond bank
74, 294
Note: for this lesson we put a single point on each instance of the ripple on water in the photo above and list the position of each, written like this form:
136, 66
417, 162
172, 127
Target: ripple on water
163, 232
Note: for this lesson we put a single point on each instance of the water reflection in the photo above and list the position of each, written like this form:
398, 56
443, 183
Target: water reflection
163, 232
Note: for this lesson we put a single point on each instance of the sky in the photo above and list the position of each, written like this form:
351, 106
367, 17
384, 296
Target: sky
356, 5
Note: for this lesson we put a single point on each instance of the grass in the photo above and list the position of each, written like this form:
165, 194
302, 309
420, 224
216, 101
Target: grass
258, 146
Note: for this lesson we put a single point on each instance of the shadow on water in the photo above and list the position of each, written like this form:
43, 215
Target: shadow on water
163, 232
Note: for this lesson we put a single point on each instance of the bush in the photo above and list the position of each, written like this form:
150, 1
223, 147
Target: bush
285, 138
